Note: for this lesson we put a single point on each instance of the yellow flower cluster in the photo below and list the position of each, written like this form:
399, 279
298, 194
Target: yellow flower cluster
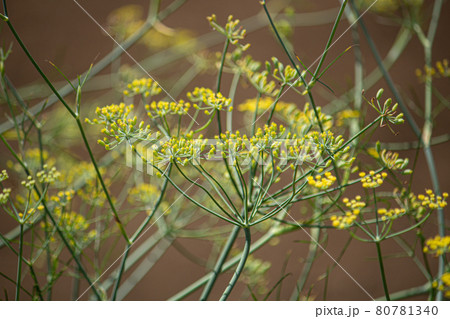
343, 116
442, 70
4, 195
437, 245
143, 193
264, 104
179, 150
389, 6
118, 126
303, 121
232, 146
161, 37
74, 225
163, 108
211, 100
80, 173
111, 113
28, 216
124, 21
236, 146
83, 178
145, 86
29, 183
372, 180
255, 274
284, 74
430, 200
322, 182
391, 160
3, 175
63, 197
392, 213
231, 30
445, 286
48, 175
261, 83
265, 138
355, 205
342, 222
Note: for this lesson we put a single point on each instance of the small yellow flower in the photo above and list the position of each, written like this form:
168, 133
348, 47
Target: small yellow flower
372, 180
145, 86
437, 245
391, 214
322, 182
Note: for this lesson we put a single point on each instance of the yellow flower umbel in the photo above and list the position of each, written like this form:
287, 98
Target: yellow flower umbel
209, 101
119, 126
391, 214
74, 225
4, 195
48, 175
163, 108
322, 182
144, 194
437, 245
430, 200
145, 87
355, 205
264, 104
231, 30
445, 286
345, 115
372, 180
342, 222
3, 175
180, 150
442, 70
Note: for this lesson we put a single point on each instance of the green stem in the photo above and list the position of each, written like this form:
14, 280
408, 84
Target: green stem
330, 39
272, 111
383, 275
234, 84
121, 270
222, 63
19, 264
313, 104
219, 80
220, 262
240, 267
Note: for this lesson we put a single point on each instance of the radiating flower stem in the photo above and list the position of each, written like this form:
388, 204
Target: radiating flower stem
240, 266
220, 262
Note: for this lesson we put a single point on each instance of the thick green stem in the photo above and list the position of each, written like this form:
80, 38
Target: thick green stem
220, 262
383, 274
19, 264
240, 267
121, 270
